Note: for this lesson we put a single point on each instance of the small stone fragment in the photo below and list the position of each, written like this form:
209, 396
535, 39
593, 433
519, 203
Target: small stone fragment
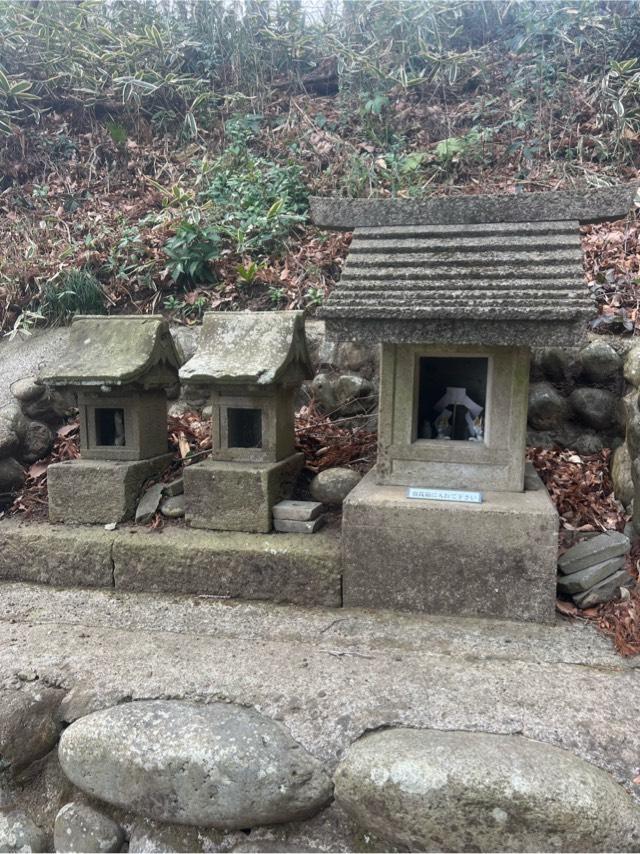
19, 833
547, 407
600, 362
173, 507
332, 486
606, 590
28, 389
175, 487
585, 579
301, 511
592, 551
79, 827
148, 504
294, 526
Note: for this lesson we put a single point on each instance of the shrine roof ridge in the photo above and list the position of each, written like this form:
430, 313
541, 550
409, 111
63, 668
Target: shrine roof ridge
259, 348
588, 205
116, 351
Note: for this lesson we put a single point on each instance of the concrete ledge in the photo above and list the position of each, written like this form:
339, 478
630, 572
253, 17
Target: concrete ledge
291, 568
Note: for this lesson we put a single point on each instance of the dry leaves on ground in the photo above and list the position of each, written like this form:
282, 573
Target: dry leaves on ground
326, 443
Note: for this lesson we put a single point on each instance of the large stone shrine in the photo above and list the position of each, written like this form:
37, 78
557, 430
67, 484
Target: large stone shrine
457, 292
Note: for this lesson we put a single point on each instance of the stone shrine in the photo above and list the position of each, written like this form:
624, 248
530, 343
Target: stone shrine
119, 368
254, 364
456, 292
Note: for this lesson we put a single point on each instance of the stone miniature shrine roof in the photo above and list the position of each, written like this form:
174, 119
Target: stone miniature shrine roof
467, 270
257, 348
116, 351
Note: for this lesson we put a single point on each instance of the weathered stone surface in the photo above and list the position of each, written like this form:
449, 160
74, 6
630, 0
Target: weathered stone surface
584, 579
265, 846
36, 442
302, 511
28, 726
49, 407
621, 475
227, 766
175, 487
466, 791
295, 526
148, 504
173, 507
597, 408
79, 827
19, 833
185, 340
547, 407
605, 591
632, 366
593, 550
323, 391
332, 486
600, 363
12, 417
153, 837
12, 475
557, 364
588, 443
355, 394
97, 492
9, 441
495, 559
48, 554
28, 389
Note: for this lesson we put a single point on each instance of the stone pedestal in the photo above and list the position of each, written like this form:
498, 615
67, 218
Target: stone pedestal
97, 492
237, 496
495, 559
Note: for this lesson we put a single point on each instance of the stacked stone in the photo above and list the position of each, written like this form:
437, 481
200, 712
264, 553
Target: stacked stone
593, 570
26, 433
575, 398
298, 517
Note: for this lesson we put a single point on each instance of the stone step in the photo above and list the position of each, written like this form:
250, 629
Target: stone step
227, 565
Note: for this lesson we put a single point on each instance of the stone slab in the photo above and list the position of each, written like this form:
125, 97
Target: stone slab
229, 496
302, 511
589, 205
296, 526
282, 568
495, 559
51, 554
584, 579
175, 487
593, 550
149, 503
606, 590
99, 492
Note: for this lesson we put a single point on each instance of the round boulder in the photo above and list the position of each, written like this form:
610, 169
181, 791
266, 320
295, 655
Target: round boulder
600, 363
547, 407
12, 475
218, 765
19, 833
324, 393
36, 442
332, 486
557, 364
9, 441
79, 827
457, 791
597, 408
27, 390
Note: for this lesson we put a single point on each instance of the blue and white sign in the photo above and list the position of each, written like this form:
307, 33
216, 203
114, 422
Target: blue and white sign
444, 495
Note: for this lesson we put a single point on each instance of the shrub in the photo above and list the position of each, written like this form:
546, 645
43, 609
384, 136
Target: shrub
75, 292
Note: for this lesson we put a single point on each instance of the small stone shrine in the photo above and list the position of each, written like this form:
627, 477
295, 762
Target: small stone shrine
457, 291
119, 367
254, 364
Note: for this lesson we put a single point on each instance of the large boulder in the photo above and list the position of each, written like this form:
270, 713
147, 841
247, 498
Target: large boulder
597, 408
463, 791
600, 363
548, 409
218, 765
79, 827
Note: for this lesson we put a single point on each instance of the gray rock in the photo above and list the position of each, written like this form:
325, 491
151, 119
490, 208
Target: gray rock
600, 363
266, 846
465, 791
9, 441
632, 366
28, 389
176, 487
584, 579
592, 551
185, 339
621, 475
301, 511
597, 408
36, 442
152, 837
12, 475
28, 726
324, 393
173, 506
547, 407
79, 827
50, 407
606, 590
355, 394
19, 833
332, 486
148, 504
315, 335
557, 364
296, 526
218, 765
11, 416
587, 443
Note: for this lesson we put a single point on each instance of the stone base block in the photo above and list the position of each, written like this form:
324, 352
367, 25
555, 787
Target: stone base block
226, 496
97, 492
495, 559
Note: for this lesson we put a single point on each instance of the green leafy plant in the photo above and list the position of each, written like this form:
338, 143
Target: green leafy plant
72, 292
191, 250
